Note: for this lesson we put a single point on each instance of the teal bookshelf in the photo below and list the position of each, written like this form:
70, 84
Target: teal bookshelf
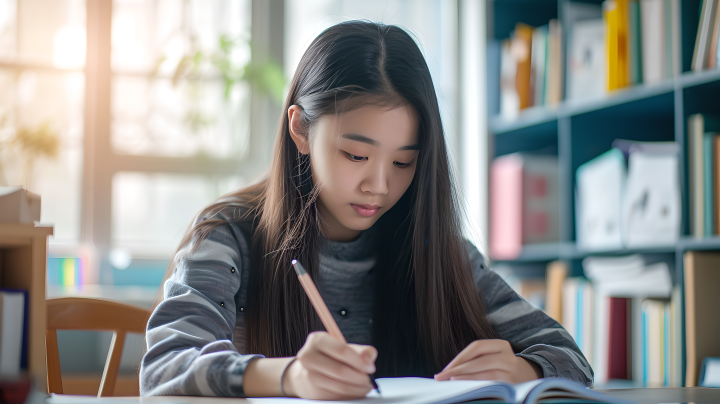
577, 132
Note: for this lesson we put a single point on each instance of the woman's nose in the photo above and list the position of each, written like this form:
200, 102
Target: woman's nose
376, 182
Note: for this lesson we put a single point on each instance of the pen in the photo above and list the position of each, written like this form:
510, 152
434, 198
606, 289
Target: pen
321, 308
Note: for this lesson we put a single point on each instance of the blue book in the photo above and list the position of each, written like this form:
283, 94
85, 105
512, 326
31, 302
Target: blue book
708, 184
24, 338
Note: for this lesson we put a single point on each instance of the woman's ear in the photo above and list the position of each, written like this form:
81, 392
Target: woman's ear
296, 129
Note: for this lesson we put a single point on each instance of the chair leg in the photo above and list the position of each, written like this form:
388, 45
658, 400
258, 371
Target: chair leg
112, 365
54, 376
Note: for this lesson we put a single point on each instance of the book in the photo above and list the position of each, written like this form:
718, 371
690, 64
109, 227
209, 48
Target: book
635, 65
586, 60
701, 53
18, 205
667, 39
578, 306
716, 183
538, 64
634, 276
653, 40
523, 203
509, 100
708, 179
494, 57
676, 335
619, 341
616, 58
556, 273
653, 314
712, 51
651, 207
600, 185
710, 373
522, 47
702, 330
555, 70
418, 390
13, 331
676, 33
698, 125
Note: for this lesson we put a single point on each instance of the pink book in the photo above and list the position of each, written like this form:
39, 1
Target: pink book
506, 207
523, 203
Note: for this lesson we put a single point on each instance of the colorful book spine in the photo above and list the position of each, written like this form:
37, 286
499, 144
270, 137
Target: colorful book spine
635, 60
616, 58
708, 182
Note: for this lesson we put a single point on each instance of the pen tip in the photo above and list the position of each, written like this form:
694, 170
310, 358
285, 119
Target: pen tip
294, 262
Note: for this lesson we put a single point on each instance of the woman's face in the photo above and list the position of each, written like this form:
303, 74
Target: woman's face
363, 160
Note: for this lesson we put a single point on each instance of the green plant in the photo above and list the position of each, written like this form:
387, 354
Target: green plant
33, 143
267, 77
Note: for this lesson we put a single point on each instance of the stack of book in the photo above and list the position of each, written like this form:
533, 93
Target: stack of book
630, 42
612, 316
703, 149
531, 66
629, 197
610, 46
707, 52
627, 316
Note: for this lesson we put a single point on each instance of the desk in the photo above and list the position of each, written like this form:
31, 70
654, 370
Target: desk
695, 395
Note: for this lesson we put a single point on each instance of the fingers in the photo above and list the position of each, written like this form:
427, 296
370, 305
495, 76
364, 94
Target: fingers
340, 352
367, 352
335, 370
334, 389
477, 348
496, 361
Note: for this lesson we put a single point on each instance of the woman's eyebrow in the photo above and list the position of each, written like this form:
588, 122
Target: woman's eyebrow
360, 138
364, 139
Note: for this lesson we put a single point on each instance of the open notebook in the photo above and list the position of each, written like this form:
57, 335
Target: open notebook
418, 390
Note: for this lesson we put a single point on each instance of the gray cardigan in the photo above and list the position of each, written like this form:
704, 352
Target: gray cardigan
195, 336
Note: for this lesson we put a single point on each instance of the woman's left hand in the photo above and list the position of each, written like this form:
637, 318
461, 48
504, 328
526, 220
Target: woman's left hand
490, 359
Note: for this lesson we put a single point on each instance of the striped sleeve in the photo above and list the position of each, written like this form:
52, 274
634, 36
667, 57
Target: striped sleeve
532, 334
189, 335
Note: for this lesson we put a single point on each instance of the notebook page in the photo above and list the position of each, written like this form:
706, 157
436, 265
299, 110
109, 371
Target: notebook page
418, 390
536, 390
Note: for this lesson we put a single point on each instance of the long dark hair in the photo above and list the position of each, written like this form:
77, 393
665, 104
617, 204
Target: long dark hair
428, 307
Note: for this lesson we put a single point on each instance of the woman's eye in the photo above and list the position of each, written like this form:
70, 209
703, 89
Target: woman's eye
400, 165
355, 158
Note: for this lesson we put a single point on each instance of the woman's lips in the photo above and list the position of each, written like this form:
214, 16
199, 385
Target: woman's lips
365, 210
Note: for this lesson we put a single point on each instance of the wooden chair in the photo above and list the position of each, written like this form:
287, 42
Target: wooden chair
77, 313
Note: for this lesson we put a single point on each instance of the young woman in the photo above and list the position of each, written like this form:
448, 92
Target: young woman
360, 192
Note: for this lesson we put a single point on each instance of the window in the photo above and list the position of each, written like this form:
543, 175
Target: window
170, 102
433, 24
42, 55
127, 117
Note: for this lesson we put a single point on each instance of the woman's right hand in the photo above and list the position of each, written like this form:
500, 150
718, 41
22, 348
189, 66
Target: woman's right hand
328, 369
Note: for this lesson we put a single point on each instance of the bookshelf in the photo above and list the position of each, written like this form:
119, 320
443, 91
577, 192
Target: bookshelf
23, 263
577, 132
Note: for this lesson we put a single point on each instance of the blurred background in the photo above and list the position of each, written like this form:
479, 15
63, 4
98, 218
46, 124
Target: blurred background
129, 116
583, 135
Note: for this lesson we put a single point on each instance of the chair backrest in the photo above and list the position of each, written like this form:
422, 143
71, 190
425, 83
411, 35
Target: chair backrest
78, 313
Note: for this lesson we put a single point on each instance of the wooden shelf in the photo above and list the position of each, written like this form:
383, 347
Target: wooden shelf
23, 265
